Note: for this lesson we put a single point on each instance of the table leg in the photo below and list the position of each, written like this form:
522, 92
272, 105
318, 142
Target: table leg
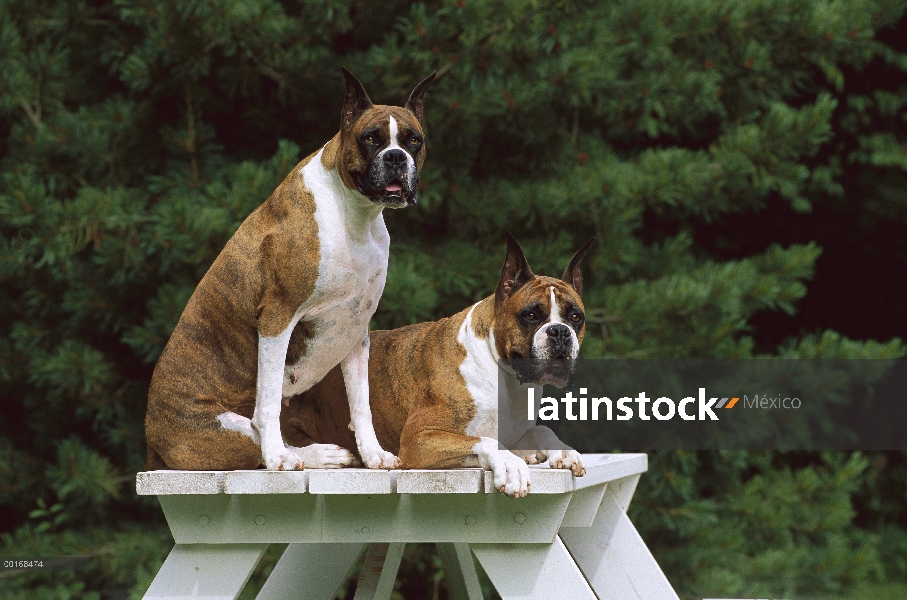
379, 571
310, 571
533, 571
623, 489
613, 557
210, 571
459, 571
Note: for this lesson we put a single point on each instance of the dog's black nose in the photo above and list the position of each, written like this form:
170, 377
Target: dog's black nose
558, 332
395, 159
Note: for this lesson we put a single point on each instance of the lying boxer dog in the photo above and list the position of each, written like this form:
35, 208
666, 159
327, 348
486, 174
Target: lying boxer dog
434, 386
288, 299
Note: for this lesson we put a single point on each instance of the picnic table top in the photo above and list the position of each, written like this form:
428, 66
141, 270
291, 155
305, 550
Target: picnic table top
600, 468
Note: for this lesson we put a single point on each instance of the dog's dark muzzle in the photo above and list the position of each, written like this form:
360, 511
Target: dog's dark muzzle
553, 364
388, 181
544, 371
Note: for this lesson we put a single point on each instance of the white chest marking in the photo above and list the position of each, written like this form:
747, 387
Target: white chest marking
483, 373
352, 270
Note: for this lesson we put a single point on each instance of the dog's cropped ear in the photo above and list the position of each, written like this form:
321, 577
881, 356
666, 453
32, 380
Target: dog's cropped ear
414, 104
356, 102
515, 274
572, 274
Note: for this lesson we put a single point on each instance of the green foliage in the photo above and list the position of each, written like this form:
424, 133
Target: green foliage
772, 529
139, 135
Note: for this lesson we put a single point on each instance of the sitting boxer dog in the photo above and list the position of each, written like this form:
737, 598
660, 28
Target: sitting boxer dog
434, 386
288, 299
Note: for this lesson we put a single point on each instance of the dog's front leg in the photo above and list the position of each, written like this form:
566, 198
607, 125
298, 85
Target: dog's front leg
511, 475
272, 354
355, 377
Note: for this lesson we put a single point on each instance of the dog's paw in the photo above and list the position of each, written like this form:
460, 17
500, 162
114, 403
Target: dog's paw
567, 459
511, 474
532, 457
325, 456
379, 459
283, 460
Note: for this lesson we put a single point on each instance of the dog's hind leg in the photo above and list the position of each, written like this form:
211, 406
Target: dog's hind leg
204, 438
314, 425
154, 461
314, 456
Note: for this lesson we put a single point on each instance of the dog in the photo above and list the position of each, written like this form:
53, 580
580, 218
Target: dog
434, 386
288, 299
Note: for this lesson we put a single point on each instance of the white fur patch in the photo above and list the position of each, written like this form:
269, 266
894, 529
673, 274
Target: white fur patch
480, 372
394, 132
239, 424
555, 311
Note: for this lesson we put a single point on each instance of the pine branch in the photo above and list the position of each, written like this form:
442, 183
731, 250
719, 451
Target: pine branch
34, 115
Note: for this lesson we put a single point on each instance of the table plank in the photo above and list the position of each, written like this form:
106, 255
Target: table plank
428, 481
600, 468
159, 483
349, 481
266, 482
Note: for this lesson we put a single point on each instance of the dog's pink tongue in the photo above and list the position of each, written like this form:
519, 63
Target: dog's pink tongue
393, 187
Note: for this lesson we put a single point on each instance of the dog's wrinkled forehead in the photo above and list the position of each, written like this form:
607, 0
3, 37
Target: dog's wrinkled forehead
545, 293
378, 119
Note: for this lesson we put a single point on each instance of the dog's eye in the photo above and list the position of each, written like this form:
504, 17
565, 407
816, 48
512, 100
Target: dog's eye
369, 139
576, 318
414, 141
530, 316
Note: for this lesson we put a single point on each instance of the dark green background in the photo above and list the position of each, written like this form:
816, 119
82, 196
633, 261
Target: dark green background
729, 156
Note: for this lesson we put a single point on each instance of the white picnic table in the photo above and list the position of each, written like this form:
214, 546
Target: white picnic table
569, 538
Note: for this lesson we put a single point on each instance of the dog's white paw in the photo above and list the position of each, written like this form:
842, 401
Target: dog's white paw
511, 474
567, 459
283, 460
377, 458
325, 456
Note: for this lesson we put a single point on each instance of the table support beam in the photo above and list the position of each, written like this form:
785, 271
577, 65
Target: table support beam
310, 571
532, 571
209, 571
379, 571
614, 558
460, 571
